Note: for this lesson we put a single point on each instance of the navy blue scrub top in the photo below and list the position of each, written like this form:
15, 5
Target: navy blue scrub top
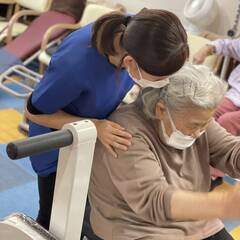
78, 81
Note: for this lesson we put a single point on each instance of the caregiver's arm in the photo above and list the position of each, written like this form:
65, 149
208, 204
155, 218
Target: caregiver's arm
55, 120
111, 134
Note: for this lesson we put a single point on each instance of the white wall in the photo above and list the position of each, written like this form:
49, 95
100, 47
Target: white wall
224, 21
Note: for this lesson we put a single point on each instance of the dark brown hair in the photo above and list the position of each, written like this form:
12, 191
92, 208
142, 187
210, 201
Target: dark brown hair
155, 38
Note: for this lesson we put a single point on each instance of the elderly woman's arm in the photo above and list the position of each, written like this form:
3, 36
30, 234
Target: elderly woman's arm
224, 150
196, 206
228, 47
140, 180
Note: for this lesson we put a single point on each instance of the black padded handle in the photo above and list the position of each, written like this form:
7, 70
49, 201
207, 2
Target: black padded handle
39, 144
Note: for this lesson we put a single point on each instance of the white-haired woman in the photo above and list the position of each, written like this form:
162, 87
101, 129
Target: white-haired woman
159, 188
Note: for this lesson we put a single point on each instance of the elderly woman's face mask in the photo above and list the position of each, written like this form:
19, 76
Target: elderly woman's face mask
177, 139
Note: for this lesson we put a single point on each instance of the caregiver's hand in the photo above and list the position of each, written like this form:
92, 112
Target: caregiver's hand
113, 136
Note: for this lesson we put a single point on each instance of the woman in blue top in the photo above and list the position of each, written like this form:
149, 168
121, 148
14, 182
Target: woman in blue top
90, 74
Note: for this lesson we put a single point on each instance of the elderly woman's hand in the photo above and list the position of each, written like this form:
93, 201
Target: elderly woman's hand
199, 57
113, 136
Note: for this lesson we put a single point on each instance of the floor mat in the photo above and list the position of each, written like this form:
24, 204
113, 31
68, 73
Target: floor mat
9, 101
224, 186
12, 175
231, 226
236, 233
9, 121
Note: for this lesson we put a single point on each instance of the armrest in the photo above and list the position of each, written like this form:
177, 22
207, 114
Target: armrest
119, 7
217, 67
211, 36
7, 1
15, 18
55, 27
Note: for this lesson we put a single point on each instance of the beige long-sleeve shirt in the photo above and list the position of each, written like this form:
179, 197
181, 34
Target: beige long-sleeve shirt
130, 195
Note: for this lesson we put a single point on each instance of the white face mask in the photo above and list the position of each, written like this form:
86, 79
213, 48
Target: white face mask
177, 139
147, 83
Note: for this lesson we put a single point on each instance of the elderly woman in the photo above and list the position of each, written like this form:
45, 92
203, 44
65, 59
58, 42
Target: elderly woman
159, 188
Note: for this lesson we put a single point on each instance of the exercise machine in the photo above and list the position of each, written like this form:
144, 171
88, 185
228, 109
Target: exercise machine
76, 142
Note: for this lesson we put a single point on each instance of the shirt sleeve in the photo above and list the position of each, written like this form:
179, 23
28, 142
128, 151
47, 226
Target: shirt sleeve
62, 82
140, 180
31, 108
228, 47
224, 150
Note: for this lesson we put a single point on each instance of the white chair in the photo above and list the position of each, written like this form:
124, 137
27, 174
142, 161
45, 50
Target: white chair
197, 42
90, 14
10, 7
13, 28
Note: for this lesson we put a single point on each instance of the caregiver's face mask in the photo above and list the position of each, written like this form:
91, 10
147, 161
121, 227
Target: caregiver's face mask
147, 83
177, 139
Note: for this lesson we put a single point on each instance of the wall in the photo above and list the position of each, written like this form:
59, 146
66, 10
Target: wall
224, 21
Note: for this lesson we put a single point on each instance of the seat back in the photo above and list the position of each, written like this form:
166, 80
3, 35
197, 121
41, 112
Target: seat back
37, 5
30, 41
93, 12
197, 42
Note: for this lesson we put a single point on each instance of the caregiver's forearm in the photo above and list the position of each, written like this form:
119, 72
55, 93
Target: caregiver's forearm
55, 120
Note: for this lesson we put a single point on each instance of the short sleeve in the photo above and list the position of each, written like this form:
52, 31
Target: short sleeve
63, 81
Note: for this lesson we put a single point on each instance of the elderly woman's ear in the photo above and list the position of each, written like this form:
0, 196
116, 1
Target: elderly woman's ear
160, 110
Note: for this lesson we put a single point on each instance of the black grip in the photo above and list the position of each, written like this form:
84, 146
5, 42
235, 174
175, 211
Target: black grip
39, 144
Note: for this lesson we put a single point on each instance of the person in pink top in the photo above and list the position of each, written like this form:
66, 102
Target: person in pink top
228, 113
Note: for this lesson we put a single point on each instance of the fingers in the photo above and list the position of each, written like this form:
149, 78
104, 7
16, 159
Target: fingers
122, 141
121, 133
117, 126
121, 138
197, 60
111, 150
200, 56
119, 146
113, 136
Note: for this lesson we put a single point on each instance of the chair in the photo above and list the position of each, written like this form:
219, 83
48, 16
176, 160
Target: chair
90, 14
227, 64
13, 28
13, 58
195, 43
10, 7
28, 77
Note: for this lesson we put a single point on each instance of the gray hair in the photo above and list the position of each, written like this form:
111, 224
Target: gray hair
192, 86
